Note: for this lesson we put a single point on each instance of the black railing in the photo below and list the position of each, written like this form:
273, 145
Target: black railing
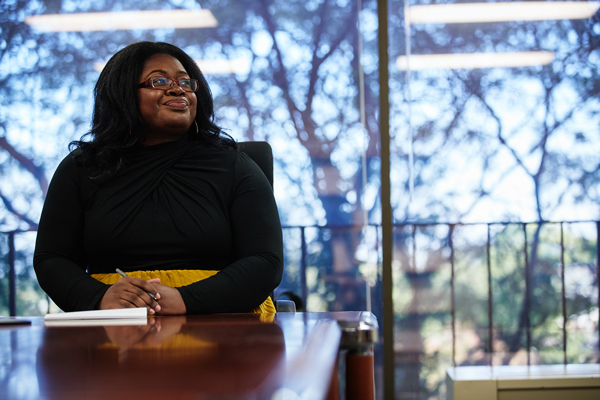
303, 264
526, 277
12, 275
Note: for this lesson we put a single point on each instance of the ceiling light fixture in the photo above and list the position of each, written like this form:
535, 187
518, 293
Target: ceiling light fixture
501, 11
474, 60
125, 20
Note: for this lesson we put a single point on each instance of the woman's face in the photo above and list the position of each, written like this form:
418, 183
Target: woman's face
168, 114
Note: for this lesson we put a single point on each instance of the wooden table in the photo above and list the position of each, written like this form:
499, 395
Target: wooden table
223, 356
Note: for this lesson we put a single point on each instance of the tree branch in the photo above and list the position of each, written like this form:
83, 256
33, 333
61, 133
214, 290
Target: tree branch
27, 163
8, 204
477, 94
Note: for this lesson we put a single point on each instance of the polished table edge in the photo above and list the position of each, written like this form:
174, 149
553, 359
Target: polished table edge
309, 375
320, 346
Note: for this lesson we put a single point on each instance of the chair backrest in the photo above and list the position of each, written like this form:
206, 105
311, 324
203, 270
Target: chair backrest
262, 154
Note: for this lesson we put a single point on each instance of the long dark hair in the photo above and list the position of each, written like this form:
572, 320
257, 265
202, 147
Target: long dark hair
116, 122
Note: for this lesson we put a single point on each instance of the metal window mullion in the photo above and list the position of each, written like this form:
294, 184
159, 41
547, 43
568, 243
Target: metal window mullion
527, 296
303, 264
12, 276
386, 204
563, 292
490, 299
452, 293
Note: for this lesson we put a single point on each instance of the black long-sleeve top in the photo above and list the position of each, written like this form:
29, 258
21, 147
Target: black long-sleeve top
176, 205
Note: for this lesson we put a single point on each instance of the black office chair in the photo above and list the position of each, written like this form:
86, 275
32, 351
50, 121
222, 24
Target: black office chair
262, 154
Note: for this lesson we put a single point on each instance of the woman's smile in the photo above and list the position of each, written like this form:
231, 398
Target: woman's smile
177, 103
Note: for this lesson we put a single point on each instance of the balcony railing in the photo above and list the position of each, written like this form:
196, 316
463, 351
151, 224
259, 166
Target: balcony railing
407, 253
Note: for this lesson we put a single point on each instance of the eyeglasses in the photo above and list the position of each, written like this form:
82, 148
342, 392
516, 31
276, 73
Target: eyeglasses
164, 83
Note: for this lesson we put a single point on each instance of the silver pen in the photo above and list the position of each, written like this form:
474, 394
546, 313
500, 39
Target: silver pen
123, 274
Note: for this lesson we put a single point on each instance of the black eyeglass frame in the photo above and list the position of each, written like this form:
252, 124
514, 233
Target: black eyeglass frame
148, 83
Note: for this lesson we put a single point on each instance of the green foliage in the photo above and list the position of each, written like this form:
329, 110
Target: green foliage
30, 298
422, 301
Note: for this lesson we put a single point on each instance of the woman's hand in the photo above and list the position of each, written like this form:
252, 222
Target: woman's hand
130, 292
171, 302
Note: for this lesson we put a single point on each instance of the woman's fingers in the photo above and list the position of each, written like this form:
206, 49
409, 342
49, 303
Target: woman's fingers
171, 302
130, 292
142, 289
133, 297
146, 286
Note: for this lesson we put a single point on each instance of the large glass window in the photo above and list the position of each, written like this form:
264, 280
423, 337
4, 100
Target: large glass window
495, 136
494, 123
284, 72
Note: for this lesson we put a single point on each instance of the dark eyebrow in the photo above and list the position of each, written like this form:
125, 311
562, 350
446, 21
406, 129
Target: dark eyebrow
182, 72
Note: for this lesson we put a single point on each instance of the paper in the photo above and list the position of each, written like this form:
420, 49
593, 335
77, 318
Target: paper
120, 313
97, 322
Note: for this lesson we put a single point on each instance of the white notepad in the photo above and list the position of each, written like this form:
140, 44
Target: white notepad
97, 322
120, 313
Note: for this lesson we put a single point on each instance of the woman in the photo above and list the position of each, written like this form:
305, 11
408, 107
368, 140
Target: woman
162, 194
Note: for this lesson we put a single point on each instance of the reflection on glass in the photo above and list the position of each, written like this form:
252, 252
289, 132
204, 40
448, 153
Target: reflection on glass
122, 20
501, 11
499, 146
474, 60
278, 72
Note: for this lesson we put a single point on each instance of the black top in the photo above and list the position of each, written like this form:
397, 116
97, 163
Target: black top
176, 205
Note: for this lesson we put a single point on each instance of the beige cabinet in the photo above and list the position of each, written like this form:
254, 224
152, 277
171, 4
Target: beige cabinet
543, 382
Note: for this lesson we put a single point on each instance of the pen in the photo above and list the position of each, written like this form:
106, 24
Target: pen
123, 274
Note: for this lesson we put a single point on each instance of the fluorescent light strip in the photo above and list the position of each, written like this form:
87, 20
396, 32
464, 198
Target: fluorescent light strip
210, 67
502, 11
125, 20
475, 60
